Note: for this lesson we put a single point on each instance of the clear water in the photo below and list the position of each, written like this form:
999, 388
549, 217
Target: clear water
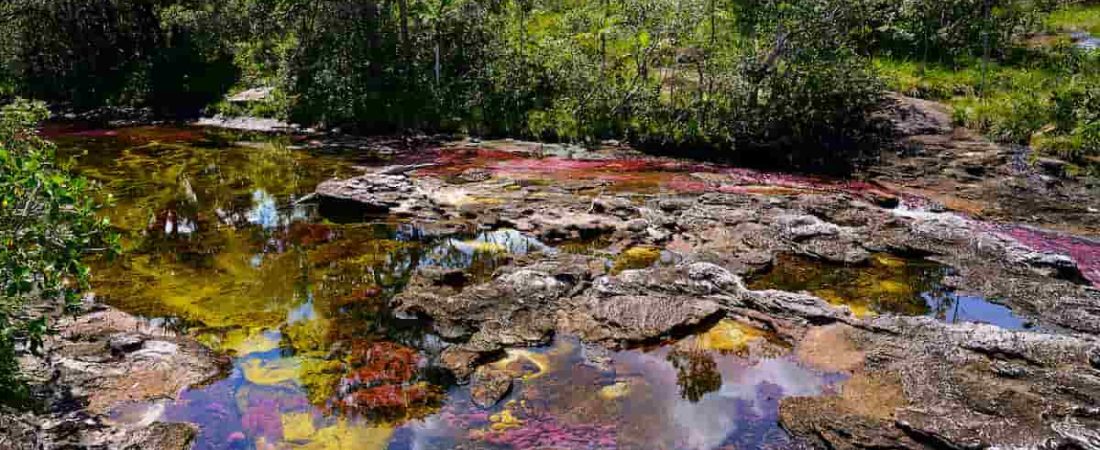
216, 246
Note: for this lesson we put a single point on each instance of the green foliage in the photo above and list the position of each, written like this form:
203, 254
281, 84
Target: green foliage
1076, 18
1045, 97
758, 79
91, 53
47, 223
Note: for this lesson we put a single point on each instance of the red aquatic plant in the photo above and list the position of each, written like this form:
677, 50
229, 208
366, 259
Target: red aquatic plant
382, 380
309, 234
382, 363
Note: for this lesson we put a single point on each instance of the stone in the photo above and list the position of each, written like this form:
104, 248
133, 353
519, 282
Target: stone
489, 385
991, 403
125, 343
801, 227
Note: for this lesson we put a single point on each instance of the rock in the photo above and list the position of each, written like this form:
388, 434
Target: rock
136, 366
161, 436
913, 116
1047, 264
637, 319
803, 308
955, 390
125, 342
259, 94
257, 124
675, 204
472, 175
1053, 167
372, 193
489, 385
514, 309
571, 225
637, 225
617, 206
642, 305
801, 227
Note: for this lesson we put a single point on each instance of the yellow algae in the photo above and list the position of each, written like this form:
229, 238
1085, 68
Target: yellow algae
636, 258
347, 436
484, 247
729, 336
240, 341
320, 377
888, 260
613, 391
309, 335
504, 420
888, 285
298, 426
893, 287
258, 371
518, 363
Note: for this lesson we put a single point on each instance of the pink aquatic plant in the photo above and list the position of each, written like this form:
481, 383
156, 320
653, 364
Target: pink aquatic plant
1085, 251
263, 419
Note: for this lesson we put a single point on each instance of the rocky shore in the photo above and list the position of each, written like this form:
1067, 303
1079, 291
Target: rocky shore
914, 382
100, 359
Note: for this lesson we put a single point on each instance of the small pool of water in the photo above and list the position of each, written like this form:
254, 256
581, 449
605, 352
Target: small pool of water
887, 285
717, 389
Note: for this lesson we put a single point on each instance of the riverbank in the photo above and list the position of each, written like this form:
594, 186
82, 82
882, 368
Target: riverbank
101, 358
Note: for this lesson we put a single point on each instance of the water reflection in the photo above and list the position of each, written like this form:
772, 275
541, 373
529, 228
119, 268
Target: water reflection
888, 284
681, 396
215, 240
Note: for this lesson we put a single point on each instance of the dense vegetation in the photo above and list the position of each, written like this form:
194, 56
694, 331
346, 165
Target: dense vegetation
47, 223
768, 75
1038, 90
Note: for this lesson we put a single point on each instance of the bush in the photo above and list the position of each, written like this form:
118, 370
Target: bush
47, 223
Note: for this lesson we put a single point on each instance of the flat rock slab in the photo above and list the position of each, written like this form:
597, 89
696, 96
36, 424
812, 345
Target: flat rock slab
637, 319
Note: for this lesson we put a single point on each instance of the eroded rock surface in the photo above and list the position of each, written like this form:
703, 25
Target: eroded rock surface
912, 382
919, 382
102, 359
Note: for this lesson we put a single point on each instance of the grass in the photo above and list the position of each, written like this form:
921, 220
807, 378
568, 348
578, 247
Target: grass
1076, 18
1038, 97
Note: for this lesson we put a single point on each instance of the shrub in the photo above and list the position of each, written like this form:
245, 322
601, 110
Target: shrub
47, 223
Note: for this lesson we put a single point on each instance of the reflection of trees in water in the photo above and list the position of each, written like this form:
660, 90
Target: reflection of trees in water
888, 285
696, 373
940, 300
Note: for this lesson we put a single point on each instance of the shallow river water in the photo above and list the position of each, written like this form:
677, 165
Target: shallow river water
216, 247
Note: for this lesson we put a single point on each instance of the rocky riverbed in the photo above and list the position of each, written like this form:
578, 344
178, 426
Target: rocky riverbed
521, 295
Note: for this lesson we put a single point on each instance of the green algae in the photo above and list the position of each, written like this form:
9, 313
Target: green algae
888, 284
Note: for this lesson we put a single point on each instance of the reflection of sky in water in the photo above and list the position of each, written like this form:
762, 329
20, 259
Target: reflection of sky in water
264, 211
955, 308
748, 399
455, 253
742, 412
303, 312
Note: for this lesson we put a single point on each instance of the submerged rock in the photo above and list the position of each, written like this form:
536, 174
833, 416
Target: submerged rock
489, 385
